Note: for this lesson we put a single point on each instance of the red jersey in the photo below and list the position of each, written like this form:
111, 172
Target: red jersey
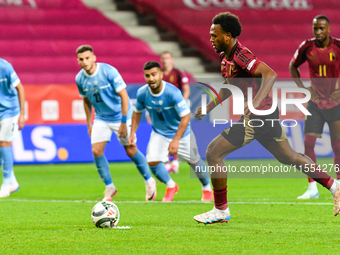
324, 66
176, 77
239, 70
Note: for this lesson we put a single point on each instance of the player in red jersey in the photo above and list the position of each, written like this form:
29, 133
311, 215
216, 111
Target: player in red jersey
238, 63
173, 75
178, 78
323, 56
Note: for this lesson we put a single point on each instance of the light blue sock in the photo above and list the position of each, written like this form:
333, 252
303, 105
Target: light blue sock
202, 172
141, 165
103, 169
160, 172
7, 162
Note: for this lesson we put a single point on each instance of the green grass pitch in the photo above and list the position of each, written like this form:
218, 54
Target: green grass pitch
50, 214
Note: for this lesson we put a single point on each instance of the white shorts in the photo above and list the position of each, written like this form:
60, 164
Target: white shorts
158, 148
102, 131
9, 129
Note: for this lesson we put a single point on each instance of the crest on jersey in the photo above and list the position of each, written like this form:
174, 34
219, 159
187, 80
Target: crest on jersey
332, 56
222, 65
231, 69
172, 78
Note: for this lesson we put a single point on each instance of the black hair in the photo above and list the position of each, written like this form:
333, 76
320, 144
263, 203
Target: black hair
151, 64
322, 17
229, 23
84, 48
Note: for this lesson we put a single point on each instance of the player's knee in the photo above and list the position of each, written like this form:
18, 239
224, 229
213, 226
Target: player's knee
336, 146
210, 154
131, 151
97, 152
194, 164
5, 144
151, 164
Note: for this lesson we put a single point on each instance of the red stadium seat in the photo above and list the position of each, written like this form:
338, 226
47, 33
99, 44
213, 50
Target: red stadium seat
272, 33
40, 41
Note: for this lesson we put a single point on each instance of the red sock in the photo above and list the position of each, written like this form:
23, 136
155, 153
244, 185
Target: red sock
309, 149
220, 200
336, 150
175, 157
319, 176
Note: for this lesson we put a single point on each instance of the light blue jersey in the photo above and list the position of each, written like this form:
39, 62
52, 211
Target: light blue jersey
165, 108
9, 101
101, 89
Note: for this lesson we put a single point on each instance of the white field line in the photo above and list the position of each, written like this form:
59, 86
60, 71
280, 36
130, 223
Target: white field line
173, 202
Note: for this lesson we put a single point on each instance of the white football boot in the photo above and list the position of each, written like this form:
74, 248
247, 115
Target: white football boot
310, 194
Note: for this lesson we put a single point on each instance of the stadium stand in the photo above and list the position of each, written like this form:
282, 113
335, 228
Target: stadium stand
271, 29
159, 39
40, 37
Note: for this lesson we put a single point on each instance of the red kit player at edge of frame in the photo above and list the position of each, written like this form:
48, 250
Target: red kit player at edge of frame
323, 56
179, 79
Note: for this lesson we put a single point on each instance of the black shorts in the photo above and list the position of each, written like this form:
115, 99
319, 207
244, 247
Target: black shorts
261, 128
314, 123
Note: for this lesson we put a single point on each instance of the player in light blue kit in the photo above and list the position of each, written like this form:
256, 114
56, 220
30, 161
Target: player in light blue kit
170, 119
12, 112
102, 87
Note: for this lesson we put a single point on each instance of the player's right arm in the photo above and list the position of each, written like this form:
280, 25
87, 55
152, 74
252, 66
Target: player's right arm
88, 112
298, 59
223, 93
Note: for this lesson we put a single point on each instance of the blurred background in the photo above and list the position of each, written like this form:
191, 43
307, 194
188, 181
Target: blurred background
39, 39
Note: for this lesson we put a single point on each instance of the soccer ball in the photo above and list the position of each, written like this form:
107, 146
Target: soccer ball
105, 214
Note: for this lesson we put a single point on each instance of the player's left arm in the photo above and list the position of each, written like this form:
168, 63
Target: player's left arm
136, 116
174, 144
268, 78
335, 96
138, 109
21, 96
122, 132
185, 84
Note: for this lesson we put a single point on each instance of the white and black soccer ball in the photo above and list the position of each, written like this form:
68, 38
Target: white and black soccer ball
105, 214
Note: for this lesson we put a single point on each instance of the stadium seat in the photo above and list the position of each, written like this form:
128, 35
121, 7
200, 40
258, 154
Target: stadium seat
272, 34
40, 41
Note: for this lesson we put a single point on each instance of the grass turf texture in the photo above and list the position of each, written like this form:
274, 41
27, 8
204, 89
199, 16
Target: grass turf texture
51, 215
